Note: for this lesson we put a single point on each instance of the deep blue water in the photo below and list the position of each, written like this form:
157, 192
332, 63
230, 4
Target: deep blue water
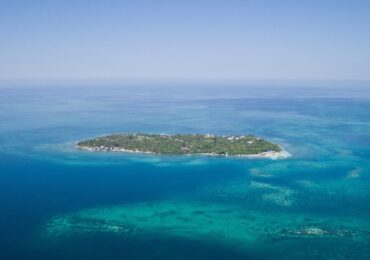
42, 175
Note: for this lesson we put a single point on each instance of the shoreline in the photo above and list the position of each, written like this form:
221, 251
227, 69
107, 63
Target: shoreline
263, 155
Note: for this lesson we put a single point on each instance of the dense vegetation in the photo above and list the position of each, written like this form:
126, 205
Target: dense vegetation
181, 144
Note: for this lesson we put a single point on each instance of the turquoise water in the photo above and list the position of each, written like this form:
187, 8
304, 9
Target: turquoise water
60, 203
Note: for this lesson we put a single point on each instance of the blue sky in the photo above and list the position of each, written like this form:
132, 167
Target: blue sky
193, 40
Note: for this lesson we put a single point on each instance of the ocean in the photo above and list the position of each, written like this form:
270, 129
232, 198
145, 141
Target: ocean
58, 202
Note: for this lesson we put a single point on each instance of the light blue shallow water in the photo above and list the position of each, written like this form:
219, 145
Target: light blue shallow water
315, 204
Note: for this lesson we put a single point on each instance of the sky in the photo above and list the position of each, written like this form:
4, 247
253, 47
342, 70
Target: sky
189, 39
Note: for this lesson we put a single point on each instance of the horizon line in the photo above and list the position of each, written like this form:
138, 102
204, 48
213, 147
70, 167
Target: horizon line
158, 80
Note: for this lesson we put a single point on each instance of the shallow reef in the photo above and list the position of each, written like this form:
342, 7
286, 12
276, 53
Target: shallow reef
230, 225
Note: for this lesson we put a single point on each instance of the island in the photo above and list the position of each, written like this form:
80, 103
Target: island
185, 144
